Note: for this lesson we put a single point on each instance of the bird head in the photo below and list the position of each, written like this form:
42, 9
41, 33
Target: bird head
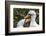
32, 14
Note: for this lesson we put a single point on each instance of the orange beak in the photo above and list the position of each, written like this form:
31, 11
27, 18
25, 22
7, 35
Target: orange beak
27, 16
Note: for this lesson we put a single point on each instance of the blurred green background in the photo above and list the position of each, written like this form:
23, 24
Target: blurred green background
19, 13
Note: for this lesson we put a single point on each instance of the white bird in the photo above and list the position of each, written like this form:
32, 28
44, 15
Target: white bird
32, 23
33, 17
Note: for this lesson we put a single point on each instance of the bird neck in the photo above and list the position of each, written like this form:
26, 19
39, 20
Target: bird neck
33, 18
32, 21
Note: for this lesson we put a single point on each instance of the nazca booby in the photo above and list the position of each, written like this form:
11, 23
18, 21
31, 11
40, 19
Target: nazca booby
32, 23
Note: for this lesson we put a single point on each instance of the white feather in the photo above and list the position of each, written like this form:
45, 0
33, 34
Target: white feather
20, 23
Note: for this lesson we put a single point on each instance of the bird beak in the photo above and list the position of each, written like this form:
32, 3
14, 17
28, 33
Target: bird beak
26, 17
